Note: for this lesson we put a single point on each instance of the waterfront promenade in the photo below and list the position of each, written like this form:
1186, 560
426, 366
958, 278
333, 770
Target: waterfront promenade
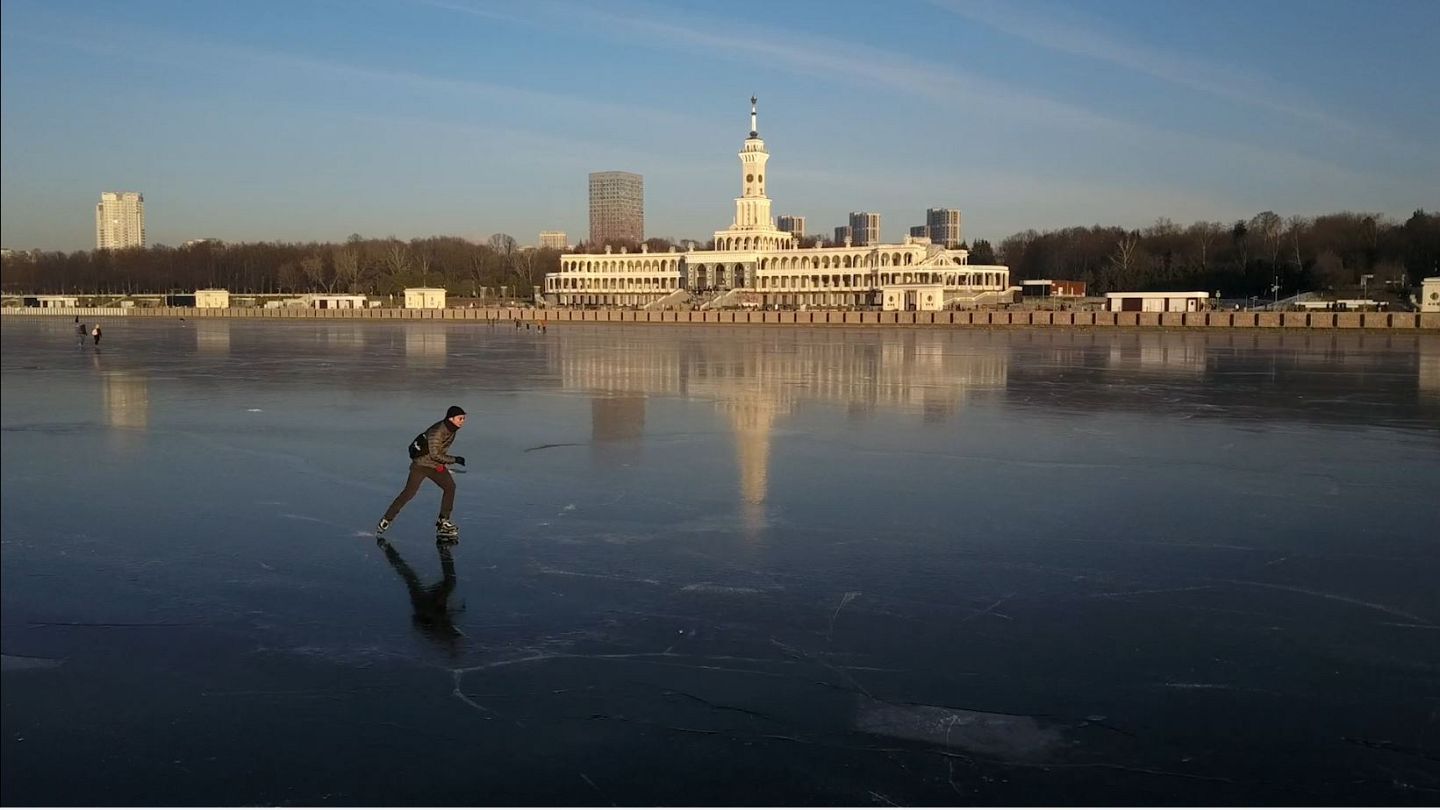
1394, 321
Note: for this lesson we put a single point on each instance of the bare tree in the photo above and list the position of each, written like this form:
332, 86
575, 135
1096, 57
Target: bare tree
1205, 235
1270, 227
1240, 238
1329, 271
347, 267
1297, 225
476, 269
314, 269
525, 263
1125, 259
1163, 227
291, 276
422, 257
502, 243
397, 260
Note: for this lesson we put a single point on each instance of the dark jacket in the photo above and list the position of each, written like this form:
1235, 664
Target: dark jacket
438, 439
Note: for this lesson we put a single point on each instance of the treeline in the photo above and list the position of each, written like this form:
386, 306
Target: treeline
1331, 252
359, 265
1327, 253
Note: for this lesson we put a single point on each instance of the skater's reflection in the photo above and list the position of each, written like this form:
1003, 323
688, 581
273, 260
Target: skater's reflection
432, 612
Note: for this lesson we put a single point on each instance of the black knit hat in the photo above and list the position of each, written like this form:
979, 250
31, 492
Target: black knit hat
454, 411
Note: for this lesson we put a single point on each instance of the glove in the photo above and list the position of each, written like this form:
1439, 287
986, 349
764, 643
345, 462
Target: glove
460, 460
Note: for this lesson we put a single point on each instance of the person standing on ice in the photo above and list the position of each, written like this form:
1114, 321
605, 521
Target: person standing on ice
95, 333
428, 459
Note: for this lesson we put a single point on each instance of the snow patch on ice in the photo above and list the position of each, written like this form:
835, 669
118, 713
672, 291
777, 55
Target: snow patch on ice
1004, 735
17, 663
711, 587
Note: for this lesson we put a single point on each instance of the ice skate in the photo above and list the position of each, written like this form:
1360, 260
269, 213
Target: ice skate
447, 531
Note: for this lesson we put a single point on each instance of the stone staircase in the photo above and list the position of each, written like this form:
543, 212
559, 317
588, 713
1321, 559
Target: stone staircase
728, 298
971, 300
679, 299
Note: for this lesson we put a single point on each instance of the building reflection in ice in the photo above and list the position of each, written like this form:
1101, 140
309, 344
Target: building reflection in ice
618, 382
1161, 352
126, 398
752, 419
347, 336
756, 383
617, 424
1428, 373
425, 347
212, 336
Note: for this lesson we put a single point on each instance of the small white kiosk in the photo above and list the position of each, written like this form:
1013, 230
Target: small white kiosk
50, 301
212, 299
424, 298
1156, 301
1430, 294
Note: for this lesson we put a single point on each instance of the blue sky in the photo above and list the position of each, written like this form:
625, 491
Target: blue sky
313, 120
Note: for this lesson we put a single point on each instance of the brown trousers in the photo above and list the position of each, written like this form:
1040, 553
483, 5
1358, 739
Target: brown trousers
442, 478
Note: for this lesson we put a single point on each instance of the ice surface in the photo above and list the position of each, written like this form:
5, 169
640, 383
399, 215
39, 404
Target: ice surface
719, 566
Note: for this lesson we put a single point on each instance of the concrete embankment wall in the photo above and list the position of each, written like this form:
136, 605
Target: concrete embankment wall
1428, 321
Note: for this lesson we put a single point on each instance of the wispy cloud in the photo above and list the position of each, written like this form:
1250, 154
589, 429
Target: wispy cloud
150, 46
815, 56
851, 62
947, 87
487, 12
1064, 31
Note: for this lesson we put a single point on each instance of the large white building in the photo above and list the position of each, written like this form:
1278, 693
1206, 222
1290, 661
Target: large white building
754, 263
120, 220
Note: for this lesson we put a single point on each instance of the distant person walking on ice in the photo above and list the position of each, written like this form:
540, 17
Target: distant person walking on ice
80, 332
95, 333
428, 460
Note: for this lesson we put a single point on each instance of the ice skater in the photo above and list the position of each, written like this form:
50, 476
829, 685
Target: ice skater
428, 459
80, 332
95, 334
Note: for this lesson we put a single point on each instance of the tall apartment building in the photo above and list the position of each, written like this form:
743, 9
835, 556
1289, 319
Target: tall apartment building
553, 239
842, 235
920, 230
791, 223
120, 220
864, 228
617, 207
944, 226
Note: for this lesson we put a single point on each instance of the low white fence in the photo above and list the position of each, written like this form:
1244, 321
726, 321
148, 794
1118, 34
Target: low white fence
88, 312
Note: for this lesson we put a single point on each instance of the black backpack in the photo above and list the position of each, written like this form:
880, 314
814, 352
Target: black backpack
419, 446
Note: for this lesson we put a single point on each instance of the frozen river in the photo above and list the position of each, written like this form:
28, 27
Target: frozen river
720, 566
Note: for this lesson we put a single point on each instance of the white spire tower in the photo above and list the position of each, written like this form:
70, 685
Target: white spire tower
752, 207
753, 228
